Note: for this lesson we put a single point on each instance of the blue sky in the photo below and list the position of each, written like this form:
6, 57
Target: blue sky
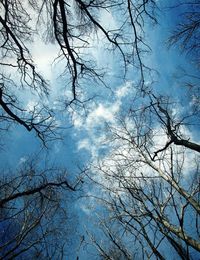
84, 138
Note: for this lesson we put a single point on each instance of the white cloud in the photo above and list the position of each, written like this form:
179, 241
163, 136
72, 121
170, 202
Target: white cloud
94, 124
123, 90
84, 144
44, 55
102, 114
31, 105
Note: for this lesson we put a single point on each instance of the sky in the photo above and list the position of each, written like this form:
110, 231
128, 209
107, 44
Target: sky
84, 137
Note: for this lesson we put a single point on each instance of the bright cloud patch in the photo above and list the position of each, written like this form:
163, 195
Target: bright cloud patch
102, 113
124, 90
94, 125
84, 144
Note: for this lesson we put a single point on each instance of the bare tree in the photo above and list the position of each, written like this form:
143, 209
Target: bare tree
150, 178
185, 38
71, 27
151, 182
39, 118
187, 32
108, 243
34, 215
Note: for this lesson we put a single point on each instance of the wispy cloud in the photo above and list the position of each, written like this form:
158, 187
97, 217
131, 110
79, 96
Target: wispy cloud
99, 116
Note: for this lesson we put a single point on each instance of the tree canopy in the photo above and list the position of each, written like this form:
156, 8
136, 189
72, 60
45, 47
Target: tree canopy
122, 98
